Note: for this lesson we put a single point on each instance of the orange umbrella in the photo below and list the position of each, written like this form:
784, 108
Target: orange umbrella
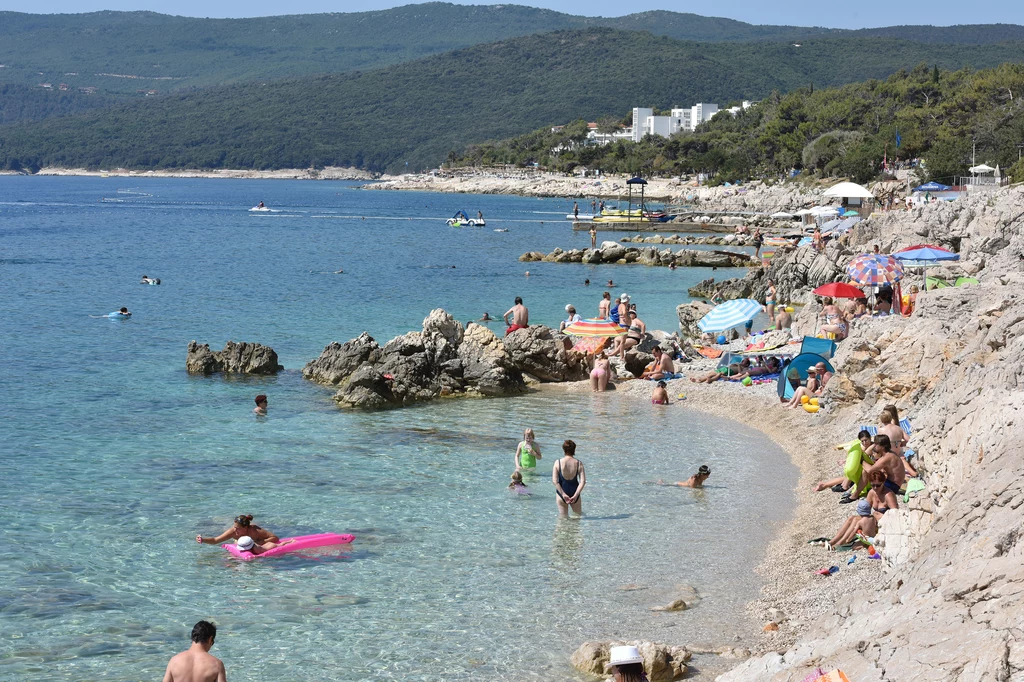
595, 328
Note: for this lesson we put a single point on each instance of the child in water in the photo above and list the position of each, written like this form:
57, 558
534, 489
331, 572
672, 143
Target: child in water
517, 486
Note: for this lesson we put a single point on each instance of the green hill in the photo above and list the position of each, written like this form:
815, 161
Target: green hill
418, 112
129, 51
844, 131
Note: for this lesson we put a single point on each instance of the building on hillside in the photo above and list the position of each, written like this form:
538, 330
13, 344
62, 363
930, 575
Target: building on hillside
659, 125
640, 116
682, 119
743, 107
595, 138
701, 112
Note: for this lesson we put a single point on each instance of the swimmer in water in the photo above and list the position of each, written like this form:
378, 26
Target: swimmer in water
517, 486
659, 396
486, 317
610, 284
261, 405
247, 544
527, 452
695, 481
242, 527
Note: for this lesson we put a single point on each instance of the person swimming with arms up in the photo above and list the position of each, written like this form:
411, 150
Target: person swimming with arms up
695, 481
242, 527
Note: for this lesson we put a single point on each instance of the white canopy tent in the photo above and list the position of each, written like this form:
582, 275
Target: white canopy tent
982, 168
849, 190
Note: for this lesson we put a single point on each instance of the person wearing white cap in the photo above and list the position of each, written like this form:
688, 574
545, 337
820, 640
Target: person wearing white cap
247, 544
626, 664
572, 318
623, 310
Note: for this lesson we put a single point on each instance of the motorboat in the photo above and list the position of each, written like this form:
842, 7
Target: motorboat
260, 209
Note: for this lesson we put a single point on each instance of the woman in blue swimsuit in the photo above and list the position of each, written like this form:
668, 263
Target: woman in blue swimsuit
569, 479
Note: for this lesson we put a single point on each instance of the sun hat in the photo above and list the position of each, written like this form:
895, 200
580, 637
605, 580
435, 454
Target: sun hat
624, 297
624, 655
704, 470
864, 508
245, 543
569, 307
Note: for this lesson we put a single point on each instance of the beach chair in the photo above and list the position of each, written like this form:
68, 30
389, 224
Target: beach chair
826, 348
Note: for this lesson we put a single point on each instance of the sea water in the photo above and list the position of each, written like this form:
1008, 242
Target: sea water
114, 459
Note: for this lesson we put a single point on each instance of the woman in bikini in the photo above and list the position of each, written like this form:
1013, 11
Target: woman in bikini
604, 307
601, 373
242, 527
835, 321
769, 301
569, 479
527, 452
633, 336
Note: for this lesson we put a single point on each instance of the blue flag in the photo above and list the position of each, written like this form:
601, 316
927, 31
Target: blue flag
898, 138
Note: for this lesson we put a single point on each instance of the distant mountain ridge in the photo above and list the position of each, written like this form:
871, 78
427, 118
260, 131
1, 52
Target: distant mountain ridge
418, 112
130, 51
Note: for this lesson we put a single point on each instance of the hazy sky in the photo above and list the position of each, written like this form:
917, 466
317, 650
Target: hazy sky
856, 14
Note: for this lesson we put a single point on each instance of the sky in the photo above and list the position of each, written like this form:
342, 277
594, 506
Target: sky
858, 14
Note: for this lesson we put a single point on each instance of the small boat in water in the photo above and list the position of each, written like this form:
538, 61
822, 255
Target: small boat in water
460, 219
260, 208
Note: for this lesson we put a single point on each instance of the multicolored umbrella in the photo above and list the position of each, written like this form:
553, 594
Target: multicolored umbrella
595, 328
729, 314
839, 290
873, 269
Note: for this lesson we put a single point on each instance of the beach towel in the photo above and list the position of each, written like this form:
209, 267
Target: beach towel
668, 377
709, 352
914, 486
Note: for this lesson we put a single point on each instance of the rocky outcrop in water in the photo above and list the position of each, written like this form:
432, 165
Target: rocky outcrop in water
444, 359
689, 315
236, 358
662, 663
948, 607
612, 252
686, 240
541, 352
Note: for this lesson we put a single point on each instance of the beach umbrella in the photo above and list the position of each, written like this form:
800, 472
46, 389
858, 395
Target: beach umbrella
926, 253
873, 269
595, 328
782, 215
921, 246
932, 187
839, 290
729, 314
849, 212
848, 190
935, 283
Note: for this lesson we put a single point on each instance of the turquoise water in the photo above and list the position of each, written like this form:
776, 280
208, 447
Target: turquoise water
114, 459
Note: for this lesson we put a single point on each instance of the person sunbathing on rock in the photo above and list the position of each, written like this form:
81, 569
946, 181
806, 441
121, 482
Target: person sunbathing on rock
880, 499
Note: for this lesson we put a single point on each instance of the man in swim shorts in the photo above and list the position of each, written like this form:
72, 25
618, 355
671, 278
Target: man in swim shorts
196, 664
520, 317
888, 461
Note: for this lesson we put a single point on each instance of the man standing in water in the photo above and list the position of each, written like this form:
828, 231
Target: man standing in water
261, 405
196, 664
520, 317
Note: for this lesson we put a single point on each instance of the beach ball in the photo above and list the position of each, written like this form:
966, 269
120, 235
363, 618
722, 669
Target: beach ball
721, 339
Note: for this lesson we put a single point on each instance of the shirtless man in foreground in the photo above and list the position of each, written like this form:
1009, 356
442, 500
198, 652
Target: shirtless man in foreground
196, 664
663, 365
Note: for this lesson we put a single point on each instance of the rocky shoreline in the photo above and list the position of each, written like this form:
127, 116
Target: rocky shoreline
615, 253
756, 196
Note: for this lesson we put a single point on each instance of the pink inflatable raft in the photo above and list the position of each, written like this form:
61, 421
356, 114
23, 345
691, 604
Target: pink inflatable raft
293, 545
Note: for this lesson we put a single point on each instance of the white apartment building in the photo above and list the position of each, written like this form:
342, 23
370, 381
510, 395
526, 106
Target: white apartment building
701, 112
682, 119
640, 116
743, 107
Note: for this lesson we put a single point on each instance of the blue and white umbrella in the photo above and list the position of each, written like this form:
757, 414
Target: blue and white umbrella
729, 314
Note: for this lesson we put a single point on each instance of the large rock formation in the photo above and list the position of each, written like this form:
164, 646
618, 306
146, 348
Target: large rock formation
612, 252
662, 663
541, 352
689, 315
444, 359
236, 358
949, 606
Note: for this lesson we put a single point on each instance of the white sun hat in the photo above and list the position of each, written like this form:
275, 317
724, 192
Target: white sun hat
245, 543
624, 655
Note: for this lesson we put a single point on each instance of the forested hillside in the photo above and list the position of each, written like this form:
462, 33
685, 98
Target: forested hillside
843, 131
417, 113
128, 51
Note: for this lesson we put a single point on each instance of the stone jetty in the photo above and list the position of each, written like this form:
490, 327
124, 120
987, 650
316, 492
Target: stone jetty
613, 252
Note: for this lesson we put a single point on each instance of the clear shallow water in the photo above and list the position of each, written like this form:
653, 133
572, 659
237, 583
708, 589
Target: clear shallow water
114, 459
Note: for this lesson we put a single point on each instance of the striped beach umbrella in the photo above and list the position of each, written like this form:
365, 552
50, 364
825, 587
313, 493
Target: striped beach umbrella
595, 328
873, 269
729, 314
